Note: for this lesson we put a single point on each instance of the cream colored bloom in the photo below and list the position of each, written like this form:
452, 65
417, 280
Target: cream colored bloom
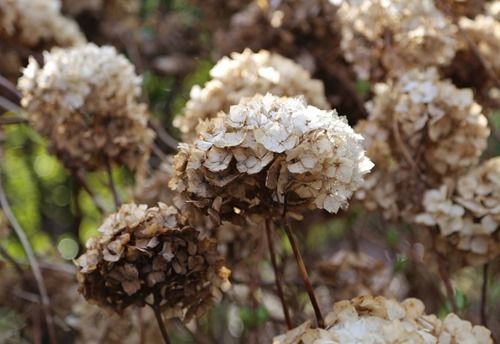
36, 23
86, 101
267, 148
387, 37
374, 320
244, 75
420, 130
467, 215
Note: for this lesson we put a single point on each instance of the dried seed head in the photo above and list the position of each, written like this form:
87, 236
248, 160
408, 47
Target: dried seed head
368, 319
380, 37
85, 100
467, 215
244, 75
267, 148
420, 130
35, 23
348, 274
144, 253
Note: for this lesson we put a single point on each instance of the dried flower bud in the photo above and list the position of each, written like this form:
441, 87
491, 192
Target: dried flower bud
420, 130
349, 274
144, 253
267, 148
36, 23
85, 100
380, 37
468, 215
244, 75
369, 319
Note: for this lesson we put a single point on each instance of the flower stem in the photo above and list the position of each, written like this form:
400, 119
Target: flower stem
303, 272
112, 186
159, 319
277, 275
484, 296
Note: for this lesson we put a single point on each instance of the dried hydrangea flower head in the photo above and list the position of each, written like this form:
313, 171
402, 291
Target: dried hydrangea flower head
484, 32
35, 23
147, 252
368, 320
266, 148
420, 129
459, 8
85, 101
467, 215
244, 75
381, 37
349, 274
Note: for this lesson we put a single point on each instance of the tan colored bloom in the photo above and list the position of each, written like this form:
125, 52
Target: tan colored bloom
267, 148
349, 274
36, 23
244, 75
370, 320
388, 37
467, 215
85, 100
420, 130
145, 252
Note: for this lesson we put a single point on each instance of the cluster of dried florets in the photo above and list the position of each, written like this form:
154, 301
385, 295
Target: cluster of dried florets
267, 149
386, 37
35, 23
146, 255
467, 214
244, 75
420, 129
350, 274
85, 100
381, 320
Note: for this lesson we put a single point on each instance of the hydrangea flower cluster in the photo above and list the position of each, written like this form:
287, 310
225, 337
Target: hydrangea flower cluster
148, 252
386, 37
420, 129
37, 22
349, 274
369, 319
85, 100
467, 214
266, 149
244, 75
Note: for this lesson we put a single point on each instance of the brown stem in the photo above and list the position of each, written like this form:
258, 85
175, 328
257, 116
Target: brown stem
83, 183
163, 135
443, 272
484, 296
10, 106
112, 186
159, 319
11, 260
13, 120
277, 274
33, 264
303, 271
9, 86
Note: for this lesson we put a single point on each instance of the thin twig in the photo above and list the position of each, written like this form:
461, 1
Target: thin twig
159, 153
33, 263
302, 268
83, 183
277, 274
10, 106
162, 134
12, 120
9, 86
159, 319
112, 186
484, 296
11, 260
